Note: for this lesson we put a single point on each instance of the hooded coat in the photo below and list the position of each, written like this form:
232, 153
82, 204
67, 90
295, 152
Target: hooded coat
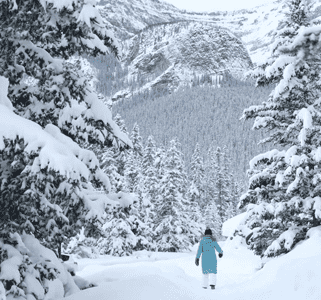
207, 248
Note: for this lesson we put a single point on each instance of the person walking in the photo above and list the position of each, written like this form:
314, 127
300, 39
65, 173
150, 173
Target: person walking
206, 248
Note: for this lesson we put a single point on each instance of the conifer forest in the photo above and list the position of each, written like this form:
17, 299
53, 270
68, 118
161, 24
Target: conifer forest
112, 147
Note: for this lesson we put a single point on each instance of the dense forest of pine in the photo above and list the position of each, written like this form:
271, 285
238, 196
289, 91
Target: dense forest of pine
200, 114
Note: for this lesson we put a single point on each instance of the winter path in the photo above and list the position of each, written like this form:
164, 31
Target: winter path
163, 276
174, 276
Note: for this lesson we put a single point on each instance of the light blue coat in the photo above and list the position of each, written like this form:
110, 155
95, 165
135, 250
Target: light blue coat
207, 249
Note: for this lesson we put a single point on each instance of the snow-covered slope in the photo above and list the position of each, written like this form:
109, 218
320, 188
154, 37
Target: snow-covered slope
172, 54
254, 26
128, 17
168, 45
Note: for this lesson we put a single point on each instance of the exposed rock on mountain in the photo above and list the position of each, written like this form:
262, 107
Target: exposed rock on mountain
254, 26
128, 17
173, 54
169, 46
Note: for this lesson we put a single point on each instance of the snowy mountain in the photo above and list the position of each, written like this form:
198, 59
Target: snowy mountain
169, 46
254, 26
128, 17
173, 54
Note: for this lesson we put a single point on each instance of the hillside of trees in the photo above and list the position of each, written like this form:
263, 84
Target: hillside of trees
200, 114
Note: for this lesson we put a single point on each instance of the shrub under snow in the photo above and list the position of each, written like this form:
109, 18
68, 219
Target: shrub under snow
32, 271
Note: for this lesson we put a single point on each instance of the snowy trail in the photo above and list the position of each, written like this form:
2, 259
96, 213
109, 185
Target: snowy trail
174, 276
163, 276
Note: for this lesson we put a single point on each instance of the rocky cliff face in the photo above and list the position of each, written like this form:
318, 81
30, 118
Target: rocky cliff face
170, 46
128, 17
254, 26
174, 54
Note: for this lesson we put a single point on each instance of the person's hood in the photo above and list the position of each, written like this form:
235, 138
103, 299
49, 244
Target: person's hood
208, 236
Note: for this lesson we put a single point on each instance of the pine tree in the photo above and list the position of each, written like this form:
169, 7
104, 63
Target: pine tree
226, 188
219, 192
172, 227
48, 180
132, 173
142, 228
119, 239
109, 167
194, 207
133, 164
212, 219
46, 199
121, 158
235, 194
196, 191
283, 200
137, 141
159, 163
149, 170
209, 188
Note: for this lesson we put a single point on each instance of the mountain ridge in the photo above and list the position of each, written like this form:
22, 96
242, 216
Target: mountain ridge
254, 26
173, 54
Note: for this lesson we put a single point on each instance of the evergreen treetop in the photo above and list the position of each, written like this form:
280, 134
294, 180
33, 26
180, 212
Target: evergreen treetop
283, 199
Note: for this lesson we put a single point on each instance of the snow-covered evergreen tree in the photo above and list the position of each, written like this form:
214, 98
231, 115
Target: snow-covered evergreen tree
136, 141
132, 173
159, 163
48, 180
197, 174
283, 201
226, 188
235, 194
133, 165
142, 228
121, 158
212, 219
109, 166
150, 179
121, 123
194, 207
173, 227
119, 239
196, 193
82, 246
210, 177
219, 188
49, 194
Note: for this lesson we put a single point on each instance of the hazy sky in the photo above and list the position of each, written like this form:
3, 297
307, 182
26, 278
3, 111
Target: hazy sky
212, 5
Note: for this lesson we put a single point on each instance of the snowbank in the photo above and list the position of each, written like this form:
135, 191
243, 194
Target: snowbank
294, 276
231, 225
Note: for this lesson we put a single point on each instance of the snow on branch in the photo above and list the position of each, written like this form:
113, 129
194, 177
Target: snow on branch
307, 36
268, 155
287, 237
53, 152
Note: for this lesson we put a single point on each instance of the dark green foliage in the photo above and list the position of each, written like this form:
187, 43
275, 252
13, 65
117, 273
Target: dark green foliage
201, 115
283, 199
36, 196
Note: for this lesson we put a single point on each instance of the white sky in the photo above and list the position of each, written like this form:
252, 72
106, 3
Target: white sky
214, 5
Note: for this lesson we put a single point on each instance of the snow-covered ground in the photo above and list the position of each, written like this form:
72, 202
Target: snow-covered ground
147, 275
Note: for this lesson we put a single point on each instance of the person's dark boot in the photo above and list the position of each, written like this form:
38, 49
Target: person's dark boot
212, 287
204, 287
